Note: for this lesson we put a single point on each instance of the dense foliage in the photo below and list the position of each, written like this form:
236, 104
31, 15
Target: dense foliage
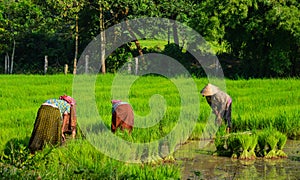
252, 38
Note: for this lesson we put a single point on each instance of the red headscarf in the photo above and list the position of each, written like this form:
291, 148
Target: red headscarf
115, 101
69, 99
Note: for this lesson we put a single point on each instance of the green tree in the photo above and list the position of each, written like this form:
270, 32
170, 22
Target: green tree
18, 18
265, 37
68, 11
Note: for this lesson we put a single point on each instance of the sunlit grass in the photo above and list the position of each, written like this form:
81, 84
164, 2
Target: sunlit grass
257, 104
154, 43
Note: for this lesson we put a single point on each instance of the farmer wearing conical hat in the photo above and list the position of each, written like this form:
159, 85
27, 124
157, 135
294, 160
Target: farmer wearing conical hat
220, 102
122, 116
55, 117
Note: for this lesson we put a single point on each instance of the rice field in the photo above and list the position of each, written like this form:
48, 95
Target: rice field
160, 108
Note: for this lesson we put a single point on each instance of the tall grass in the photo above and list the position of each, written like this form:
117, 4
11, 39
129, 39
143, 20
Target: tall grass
257, 104
261, 103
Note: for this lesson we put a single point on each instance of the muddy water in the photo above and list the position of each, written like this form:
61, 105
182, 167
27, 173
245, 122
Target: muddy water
199, 163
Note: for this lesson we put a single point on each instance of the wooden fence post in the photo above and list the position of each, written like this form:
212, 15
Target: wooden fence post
136, 65
129, 65
46, 65
86, 64
66, 69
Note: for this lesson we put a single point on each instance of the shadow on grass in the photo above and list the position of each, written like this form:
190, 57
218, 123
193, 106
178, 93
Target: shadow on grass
16, 152
16, 160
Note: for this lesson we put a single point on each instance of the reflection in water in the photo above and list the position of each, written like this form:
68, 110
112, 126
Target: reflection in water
201, 164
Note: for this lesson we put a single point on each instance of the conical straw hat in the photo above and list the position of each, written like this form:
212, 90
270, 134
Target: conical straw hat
209, 90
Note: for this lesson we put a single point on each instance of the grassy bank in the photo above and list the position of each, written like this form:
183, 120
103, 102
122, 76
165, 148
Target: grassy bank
257, 104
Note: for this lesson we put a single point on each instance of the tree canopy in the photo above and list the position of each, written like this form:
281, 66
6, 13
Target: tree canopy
252, 38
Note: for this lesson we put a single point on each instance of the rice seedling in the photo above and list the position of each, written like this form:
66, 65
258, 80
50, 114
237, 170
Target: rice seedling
245, 140
262, 143
272, 142
249, 145
157, 105
281, 142
234, 145
220, 141
275, 141
252, 147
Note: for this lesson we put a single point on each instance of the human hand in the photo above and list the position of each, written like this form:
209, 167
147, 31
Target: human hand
216, 112
73, 134
63, 137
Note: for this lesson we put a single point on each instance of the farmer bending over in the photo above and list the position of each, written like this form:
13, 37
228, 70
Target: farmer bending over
55, 117
220, 102
122, 116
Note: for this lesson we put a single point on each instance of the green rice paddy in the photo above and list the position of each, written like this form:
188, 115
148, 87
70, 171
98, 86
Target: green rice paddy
258, 104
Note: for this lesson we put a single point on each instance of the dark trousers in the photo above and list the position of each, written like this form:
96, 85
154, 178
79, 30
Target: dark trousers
227, 116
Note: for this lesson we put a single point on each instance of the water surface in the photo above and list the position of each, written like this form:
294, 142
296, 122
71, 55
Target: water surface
199, 163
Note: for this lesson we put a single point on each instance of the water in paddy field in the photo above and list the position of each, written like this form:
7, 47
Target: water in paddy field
199, 163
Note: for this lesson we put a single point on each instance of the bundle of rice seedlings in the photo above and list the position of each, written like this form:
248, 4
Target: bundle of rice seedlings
272, 142
234, 145
281, 142
220, 142
254, 141
262, 143
245, 140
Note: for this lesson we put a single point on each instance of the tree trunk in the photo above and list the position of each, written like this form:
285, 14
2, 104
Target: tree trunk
6, 64
76, 45
169, 35
102, 39
175, 33
136, 41
46, 65
12, 58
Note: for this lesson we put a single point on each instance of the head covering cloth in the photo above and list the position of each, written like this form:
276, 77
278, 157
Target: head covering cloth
115, 101
68, 99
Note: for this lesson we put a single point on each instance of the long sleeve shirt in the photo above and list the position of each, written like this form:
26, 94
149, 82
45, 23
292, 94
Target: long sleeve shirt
219, 102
